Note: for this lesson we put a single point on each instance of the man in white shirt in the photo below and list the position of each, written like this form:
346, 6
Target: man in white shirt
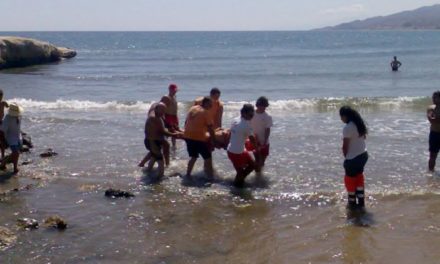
240, 131
261, 124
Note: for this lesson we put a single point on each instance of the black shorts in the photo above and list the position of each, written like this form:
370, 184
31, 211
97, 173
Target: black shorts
155, 148
434, 142
395, 68
356, 165
196, 148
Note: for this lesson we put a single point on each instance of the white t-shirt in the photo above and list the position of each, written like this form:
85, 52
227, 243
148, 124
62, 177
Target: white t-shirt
260, 122
241, 129
357, 144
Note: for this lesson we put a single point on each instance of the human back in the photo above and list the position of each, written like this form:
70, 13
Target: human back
197, 122
357, 144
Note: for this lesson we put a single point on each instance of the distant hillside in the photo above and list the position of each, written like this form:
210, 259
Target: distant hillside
427, 18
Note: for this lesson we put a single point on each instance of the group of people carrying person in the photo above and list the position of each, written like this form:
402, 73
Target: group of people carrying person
203, 133
248, 134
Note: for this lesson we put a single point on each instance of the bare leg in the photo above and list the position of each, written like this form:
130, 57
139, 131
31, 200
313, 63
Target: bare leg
161, 168
209, 171
166, 152
432, 158
151, 164
191, 163
173, 141
146, 158
3, 144
258, 162
14, 157
242, 174
5, 161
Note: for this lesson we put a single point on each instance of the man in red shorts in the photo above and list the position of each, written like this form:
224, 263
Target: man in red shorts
241, 159
170, 118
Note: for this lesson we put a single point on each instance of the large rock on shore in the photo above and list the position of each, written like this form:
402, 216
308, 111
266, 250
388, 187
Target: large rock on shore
22, 52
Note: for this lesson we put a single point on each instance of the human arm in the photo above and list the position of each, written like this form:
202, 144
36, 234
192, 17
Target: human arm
345, 144
266, 136
211, 134
165, 100
163, 131
430, 114
220, 115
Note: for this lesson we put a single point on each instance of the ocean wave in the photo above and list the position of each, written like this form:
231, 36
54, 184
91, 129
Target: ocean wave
316, 104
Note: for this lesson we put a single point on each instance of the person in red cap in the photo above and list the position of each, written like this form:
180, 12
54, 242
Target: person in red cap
171, 119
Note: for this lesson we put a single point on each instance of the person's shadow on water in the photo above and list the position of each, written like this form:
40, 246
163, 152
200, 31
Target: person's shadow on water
199, 180
5, 176
151, 177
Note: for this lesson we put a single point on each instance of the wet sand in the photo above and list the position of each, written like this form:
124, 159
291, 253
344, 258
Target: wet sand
202, 225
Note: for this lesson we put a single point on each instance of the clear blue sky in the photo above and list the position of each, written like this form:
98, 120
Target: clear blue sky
146, 15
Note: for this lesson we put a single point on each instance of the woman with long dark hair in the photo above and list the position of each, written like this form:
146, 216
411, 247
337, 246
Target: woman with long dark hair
355, 152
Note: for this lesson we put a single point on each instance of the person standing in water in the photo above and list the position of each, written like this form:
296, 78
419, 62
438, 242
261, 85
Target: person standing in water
11, 127
241, 130
356, 156
170, 118
216, 111
433, 115
3, 105
261, 124
155, 133
198, 123
395, 64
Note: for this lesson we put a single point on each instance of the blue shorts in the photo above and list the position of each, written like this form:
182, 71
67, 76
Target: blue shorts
15, 148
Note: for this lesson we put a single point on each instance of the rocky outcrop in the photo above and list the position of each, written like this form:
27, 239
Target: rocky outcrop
22, 52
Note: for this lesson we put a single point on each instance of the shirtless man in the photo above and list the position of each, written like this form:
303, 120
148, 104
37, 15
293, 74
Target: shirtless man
395, 64
198, 123
3, 105
433, 115
216, 111
154, 136
171, 119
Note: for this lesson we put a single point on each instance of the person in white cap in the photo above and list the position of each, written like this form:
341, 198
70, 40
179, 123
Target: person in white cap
11, 128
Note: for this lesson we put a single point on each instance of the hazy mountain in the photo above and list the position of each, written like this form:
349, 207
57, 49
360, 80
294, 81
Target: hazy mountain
427, 17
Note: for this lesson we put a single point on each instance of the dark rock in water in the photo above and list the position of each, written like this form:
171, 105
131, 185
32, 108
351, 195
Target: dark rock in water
27, 140
55, 222
27, 162
114, 193
27, 223
48, 153
22, 52
7, 238
24, 149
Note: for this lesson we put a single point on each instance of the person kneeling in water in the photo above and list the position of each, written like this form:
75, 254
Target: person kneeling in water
241, 159
356, 156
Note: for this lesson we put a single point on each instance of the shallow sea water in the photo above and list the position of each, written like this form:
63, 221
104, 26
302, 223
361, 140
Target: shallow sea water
91, 111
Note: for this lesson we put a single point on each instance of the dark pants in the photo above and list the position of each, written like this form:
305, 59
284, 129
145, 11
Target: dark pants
356, 165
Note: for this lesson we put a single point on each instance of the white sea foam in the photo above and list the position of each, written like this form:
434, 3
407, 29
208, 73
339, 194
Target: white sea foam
276, 105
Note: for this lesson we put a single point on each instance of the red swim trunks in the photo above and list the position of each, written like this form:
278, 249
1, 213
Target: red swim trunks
264, 149
354, 183
171, 121
240, 161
